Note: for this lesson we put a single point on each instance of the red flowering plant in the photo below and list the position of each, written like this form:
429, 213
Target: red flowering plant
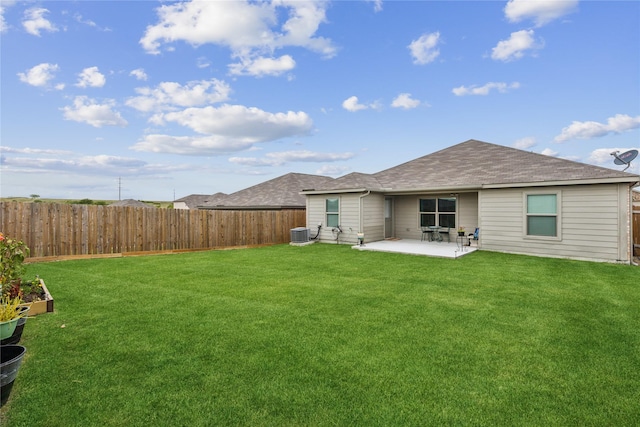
12, 269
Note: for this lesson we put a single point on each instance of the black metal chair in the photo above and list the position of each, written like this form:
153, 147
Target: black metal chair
446, 231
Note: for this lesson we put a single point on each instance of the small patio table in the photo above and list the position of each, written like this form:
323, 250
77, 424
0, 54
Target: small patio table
462, 242
436, 233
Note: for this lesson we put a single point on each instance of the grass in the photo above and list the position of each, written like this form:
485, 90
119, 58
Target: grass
326, 335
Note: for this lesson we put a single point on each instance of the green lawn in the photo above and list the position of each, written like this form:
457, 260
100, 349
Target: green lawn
326, 335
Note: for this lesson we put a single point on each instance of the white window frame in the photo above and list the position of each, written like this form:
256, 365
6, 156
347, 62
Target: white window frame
327, 213
558, 214
437, 212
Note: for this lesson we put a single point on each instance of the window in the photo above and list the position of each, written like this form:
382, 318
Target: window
443, 209
542, 215
332, 210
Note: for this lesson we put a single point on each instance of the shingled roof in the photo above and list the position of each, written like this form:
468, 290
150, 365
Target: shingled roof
131, 203
477, 164
194, 200
281, 192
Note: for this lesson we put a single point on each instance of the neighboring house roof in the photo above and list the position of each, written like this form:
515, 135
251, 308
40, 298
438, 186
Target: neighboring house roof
281, 192
476, 164
131, 203
194, 200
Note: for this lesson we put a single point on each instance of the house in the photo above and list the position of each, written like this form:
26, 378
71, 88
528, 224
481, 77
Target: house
282, 192
132, 203
194, 200
522, 202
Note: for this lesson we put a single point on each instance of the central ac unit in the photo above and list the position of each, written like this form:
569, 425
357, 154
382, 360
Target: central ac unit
299, 235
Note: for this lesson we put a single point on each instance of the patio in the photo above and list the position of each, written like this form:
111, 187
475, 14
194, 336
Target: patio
418, 247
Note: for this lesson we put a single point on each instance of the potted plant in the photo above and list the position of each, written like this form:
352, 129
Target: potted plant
10, 360
13, 285
461, 231
11, 310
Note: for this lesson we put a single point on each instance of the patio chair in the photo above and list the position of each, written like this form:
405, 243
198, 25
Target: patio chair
427, 233
473, 237
475, 234
446, 231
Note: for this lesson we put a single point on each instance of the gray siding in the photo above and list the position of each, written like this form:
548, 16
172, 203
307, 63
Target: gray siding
349, 217
468, 212
373, 217
406, 217
591, 226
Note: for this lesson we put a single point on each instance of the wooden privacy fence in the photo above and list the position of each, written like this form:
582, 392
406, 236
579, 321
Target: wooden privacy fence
50, 229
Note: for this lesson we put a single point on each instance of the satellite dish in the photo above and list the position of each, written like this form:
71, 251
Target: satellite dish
625, 158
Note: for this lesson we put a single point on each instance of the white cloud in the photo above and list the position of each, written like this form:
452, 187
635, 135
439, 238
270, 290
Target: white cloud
261, 66
168, 95
351, 104
484, 90
86, 110
227, 129
139, 74
203, 62
3, 5
332, 170
91, 77
281, 158
549, 152
514, 48
587, 130
243, 123
75, 163
89, 22
405, 101
424, 50
540, 11
34, 21
27, 150
40, 75
377, 5
525, 143
191, 145
258, 32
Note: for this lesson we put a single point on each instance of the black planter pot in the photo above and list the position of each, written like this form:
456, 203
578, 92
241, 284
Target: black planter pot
10, 360
17, 334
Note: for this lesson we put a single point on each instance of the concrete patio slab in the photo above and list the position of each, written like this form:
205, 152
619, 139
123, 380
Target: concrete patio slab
418, 247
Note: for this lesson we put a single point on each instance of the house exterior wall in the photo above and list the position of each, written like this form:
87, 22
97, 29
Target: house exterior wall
593, 225
349, 210
407, 219
373, 217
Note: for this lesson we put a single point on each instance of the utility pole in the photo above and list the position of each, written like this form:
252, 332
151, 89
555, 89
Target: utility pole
119, 188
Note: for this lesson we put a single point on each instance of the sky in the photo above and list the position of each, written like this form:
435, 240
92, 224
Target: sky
158, 100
